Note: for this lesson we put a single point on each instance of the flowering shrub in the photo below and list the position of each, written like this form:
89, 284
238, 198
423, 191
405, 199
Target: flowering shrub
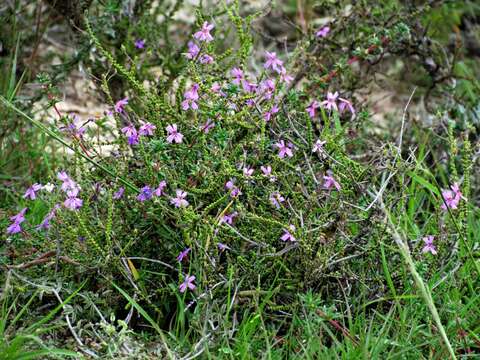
229, 173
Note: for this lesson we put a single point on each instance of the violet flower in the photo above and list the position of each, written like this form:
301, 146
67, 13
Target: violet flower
222, 247
17, 219
193, 50
206, 59
284, 77
204, 33
139, 43
146, 129
146, 193
345, 104
287, 234
205, 128
183, 254
429, 247
312, 108
31, 191
330, 182
452, 197
179, 201
190, 98
248, 171
331, 102
273, 62
276, 199
159, 190
228, 218
188, 283
323, 32
270, 113
129, 131
120, 105
318, 146
73, 203
237, 75
173, 136
284, 149
119, 193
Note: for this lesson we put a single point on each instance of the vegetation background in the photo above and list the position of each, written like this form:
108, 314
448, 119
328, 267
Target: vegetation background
355, 279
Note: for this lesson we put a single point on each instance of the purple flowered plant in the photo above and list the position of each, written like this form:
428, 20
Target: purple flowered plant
287, 234
330, 182
17, 219
173, 135
190, 98
159, 190
146, 193
312, 108
272, 62
146, 129
183, 254
193, 50
452, 197
119, 193
276, 199
331, 101
284, 149
323, 32
120, 105
139, 43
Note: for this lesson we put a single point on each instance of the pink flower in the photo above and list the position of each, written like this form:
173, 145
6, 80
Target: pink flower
222, 247
312, 108
284, 150
267, 88
120, 105
179, 201
14, 228
183, 254
228, 218
173, 136
159, 190
17, 219
429, 247
206, 59
249, 87
73, 203
318, 146
45, 224
140, 44
146, 193
237, 75
267, 170
323, 32
247, 171
146, 129
234, 191
284, 77
276, 199
204, 33
273, 62
269, 114
190, 98
330, 182
119, 193
31, 191
452, 197
216, 87
193, 50
20, 217
129, 131
345, 104
188, 283
133, 140
287, 234
331, 102
209, 124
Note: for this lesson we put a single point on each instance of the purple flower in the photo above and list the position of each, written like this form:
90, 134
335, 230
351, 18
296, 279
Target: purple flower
62, 176
159, 190
345, 104
266, 170
206, 59
73, 203
14, 228
268, 115
188, 283
45, 224
276, 199
183, 254
452, 197
209, 124
133, 140
234, 191
222, 247
331, 102
146, 193
190, 98
179, 201
323, 32
216, 87
204, 33
318, 146
330, 182
237, 76
273, 62
267, 88
119, 193
146, 129
72, 127
287, 234
120, 105
193, 50
129, 130
31, 191
20, 217
429, 247
249, 87
17, 219
248, 171
140, 43
173, 136
228, 218
69, 186
284, 77
312, 108
284, 150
